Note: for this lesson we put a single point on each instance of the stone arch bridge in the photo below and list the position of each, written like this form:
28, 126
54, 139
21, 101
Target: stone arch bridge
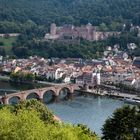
54, 91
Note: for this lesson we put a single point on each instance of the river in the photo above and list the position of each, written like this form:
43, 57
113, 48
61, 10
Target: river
91, 110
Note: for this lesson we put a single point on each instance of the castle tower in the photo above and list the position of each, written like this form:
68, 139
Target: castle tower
53, 29
89, 31
94, 35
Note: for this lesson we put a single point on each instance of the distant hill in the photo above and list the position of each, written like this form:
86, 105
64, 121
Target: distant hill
70, 11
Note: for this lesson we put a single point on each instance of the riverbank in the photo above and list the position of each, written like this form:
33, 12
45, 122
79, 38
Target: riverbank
113, 94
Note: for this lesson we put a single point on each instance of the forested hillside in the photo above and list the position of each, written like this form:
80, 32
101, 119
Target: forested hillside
68, 11
32, 19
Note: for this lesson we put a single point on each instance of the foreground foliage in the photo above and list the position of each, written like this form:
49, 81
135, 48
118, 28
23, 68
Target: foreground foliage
123, 125
31, 120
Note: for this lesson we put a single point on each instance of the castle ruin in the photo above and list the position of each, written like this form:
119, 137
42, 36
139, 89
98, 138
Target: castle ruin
70, 32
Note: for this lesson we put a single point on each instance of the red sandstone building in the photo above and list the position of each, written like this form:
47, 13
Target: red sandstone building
70, 32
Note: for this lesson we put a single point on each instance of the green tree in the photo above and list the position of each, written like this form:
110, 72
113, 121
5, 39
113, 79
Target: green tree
2, 51
44, 113
25, 125
29, 77
21, 52
22, 77
122, 125
27, 121
1, 44
103, 27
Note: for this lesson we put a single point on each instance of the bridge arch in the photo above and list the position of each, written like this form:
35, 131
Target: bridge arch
49, 96
58, 92
14, 100
33, 95
1, 102
65, 93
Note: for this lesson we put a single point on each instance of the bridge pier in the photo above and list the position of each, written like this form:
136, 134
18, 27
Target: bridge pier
55, 98
5, 100
70, 96
41, 100
22, 97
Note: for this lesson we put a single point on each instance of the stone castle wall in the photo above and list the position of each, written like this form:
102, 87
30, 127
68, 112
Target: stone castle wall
70, 32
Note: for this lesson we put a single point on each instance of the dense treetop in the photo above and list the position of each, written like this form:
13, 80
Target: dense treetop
70, 11
31, 120
32, 19
124, 124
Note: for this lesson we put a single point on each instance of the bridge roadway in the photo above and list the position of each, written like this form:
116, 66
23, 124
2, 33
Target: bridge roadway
40, 92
